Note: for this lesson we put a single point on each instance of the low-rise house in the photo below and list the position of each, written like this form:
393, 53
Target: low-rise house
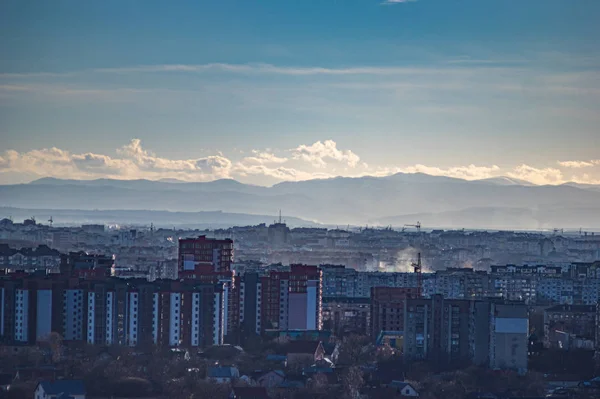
60, 389
404, 389
6, 380
304, 352
271, 379
222, 375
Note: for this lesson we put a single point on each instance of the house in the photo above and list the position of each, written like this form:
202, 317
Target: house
404, 389
271, 379
304, 352
249, 393
60, 389
324, 366
276, 358
222, 375
5, 380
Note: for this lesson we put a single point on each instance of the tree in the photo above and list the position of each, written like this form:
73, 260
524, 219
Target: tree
355, 350
132, 387
353, 382
317, 383
55, 341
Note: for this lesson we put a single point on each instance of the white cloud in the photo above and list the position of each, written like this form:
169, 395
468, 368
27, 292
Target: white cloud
263, 158
392, 2
579, 164
319, 154
585, 179
133, 162
261, 68
536, 175
216, 165
322, 159
278, 174
469, 172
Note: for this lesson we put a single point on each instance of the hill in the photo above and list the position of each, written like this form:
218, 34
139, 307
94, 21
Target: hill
340, 200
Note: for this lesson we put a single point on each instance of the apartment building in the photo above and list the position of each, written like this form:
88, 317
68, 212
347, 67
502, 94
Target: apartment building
209, 260
112, 311
281, 300
195, 254
438, 330
341, 281
449, 332
509, 332
565, 323
387, 308
30, 259
347, 315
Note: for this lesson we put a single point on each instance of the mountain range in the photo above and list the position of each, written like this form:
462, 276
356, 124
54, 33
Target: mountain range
496, 203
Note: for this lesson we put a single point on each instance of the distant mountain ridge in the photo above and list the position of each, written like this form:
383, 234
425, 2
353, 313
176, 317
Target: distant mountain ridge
340, 200
216, 219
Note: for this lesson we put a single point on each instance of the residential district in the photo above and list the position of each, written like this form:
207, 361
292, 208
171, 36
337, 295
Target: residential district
272, 312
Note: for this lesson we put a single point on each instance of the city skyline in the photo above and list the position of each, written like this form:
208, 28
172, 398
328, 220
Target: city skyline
264, 93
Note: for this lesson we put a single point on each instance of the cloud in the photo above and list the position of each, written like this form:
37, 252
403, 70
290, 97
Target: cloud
579, 164
392, 2
263, 68
320, 160
278, 174
133, 162
216, 165
99, 164
319, 154
585, 179
537, 176
469, 172
263, 158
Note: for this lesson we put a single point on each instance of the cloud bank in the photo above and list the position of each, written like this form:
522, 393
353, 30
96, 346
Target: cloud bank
392, 2
321, 159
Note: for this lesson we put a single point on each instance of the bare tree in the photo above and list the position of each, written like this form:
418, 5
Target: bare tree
355, 350
353, 382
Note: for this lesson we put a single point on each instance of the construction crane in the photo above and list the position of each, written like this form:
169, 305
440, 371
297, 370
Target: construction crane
51, 220
417, 226
418, 268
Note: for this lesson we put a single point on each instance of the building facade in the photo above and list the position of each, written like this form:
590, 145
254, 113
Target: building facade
347, 315
196, 254
112, 311
281, 300
387, 308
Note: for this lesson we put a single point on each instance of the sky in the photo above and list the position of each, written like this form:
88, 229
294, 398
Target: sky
266, 91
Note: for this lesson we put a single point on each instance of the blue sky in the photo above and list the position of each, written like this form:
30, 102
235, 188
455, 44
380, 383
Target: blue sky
267, 91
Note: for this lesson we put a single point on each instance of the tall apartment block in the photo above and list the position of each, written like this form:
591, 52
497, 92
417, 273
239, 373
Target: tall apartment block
209, 261
453, 331
112, 311
196, 254
441, 330
387, 308
281, 300
509, 332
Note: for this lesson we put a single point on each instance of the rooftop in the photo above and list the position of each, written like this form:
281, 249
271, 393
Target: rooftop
69, 387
